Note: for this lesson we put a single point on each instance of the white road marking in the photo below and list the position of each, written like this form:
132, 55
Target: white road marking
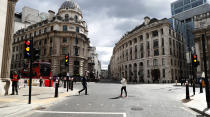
89, 104
77, 104
102, 104
84, 113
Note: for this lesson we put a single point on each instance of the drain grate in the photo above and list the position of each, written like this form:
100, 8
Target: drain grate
136, 108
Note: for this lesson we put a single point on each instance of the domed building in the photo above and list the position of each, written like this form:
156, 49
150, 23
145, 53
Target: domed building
61, 34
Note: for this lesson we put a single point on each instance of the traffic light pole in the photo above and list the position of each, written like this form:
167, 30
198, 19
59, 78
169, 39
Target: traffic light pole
205, 70
30, 79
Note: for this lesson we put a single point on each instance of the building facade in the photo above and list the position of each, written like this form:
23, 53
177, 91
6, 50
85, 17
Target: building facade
202, 23
94, 64
60, 34
152, 52
183, 12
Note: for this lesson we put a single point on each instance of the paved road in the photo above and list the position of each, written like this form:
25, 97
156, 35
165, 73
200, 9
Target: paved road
153, 100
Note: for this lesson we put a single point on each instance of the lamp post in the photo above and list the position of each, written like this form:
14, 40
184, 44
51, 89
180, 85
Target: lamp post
205, 69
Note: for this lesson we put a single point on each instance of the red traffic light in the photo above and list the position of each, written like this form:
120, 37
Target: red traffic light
66, 57
195, 56
27, 43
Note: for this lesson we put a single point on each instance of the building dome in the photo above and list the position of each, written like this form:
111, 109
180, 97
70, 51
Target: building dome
70, 4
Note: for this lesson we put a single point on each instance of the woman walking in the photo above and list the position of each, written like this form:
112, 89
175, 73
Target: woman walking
124, 83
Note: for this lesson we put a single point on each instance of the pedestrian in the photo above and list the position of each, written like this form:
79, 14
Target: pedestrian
71, 83
84, 84
14, 78
124, 83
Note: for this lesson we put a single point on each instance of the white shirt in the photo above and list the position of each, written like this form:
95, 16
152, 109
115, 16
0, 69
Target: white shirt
123, 82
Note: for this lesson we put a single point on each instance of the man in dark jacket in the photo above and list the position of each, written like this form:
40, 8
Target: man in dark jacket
84, 83
14, 78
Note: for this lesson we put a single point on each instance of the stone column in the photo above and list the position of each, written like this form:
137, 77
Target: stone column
7, 47
6, 61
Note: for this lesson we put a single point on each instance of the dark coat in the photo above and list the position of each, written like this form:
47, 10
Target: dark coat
84, 81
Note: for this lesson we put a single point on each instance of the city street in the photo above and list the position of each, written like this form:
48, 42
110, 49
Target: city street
144, 100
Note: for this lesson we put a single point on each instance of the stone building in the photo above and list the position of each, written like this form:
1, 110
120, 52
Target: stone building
94, 64
60, 34
202, 26
27, 17
152, 52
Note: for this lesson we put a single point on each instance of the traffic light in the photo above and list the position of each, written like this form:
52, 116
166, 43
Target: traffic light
67, 60
27, 51
195, 60
36, 54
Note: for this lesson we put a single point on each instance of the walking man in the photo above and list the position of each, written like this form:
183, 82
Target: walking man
84, 83
124, 83
15, 77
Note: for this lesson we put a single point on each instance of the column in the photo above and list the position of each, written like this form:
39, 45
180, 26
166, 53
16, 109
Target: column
6, 60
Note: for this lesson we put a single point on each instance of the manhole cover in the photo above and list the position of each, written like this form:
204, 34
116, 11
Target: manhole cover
3, 106
40, 108
136, 108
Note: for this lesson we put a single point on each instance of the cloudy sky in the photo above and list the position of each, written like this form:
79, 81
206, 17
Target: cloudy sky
107, 20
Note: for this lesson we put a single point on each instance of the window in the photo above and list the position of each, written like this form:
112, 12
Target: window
163, 61
141, 37
156, 52
163, 51
135, 40
155, 44
161, 31
162, 42
76, 51
50, 51
76, 41
45, 30
66, 17
148, 73
45, 51
148, 45
51, 28
16, 48
40, 42
147, 35
45, 41
169, 41
154, 33
77, 29
50, 39
64, 28
130, 42
64, 50
76, 18
64, 40
170, 51
155, 62
148, 53
13, 49
164, 72
40, 31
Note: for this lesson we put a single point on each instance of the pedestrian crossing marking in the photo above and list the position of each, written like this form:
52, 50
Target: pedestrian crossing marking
85, 113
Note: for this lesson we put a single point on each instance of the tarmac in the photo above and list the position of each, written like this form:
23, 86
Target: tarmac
42, 97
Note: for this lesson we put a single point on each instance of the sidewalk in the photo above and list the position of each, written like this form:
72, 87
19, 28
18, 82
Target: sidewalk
17, 105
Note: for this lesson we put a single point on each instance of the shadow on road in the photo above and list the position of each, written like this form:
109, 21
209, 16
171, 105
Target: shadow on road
203, 113
118, 97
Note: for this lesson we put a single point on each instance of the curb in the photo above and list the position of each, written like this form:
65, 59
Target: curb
28, 109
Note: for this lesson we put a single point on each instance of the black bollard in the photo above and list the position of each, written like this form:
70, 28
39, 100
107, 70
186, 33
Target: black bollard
201, 88
187, 91
56, 89
64, 84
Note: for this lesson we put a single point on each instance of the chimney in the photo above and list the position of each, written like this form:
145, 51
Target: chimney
51, 14
146, 20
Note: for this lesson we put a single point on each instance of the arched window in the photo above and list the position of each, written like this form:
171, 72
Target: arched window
66, 17
76, 18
